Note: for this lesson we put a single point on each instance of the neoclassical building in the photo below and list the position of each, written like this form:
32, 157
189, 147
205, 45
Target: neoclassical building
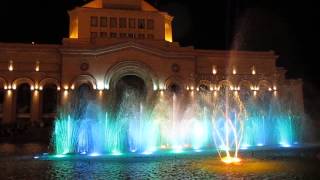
111, 39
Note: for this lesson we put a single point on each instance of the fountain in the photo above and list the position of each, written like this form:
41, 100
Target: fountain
227, 119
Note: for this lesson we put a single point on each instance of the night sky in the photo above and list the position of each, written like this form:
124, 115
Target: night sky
287, 27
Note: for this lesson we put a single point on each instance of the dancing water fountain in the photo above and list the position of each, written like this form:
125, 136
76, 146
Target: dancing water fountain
225, 118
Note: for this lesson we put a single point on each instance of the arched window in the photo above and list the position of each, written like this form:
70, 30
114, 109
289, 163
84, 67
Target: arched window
204, 88
23, 99
49, 99
175, 88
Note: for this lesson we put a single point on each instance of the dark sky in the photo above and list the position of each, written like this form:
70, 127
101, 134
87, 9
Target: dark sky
287, 27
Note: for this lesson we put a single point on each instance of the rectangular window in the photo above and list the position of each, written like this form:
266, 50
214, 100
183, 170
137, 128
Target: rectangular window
113, 35
131, 35
103, 21
94, 21
141, 36
150, 36
93, 35
141, 23
103, 34
132, 23
123, 23
113, 22
150, 24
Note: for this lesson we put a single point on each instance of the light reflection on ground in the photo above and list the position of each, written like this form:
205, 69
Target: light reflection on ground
288, 167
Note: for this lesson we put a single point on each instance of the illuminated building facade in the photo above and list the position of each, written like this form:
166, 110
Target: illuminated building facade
109, 40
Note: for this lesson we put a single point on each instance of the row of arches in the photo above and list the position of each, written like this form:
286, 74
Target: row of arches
23, 99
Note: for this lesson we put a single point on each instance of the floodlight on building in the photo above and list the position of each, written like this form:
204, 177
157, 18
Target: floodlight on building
10, 66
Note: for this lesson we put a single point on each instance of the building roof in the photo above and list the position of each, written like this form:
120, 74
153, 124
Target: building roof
123, 4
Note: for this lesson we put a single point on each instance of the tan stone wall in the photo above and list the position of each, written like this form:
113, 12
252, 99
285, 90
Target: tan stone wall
151, 60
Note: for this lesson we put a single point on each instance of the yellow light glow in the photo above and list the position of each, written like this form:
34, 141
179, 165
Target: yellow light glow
168, 32
65, 93
253, 70
274, 88
214, 70
37, 69
9, 93
215, 93
10, 67
58, 88
275, 93
100, 92
231, 160
66, 87
255, 93
234, 71
74, 28
188, 88
36, 92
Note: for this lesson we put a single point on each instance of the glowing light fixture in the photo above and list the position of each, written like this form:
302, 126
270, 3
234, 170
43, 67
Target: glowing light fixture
214, 70
234, 71
37, 68
253, 70
274, 88
231, 160
10, 67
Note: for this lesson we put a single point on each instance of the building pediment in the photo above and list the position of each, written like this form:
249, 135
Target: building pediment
153, 50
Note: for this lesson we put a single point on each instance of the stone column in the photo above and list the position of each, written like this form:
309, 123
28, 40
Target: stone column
35, 106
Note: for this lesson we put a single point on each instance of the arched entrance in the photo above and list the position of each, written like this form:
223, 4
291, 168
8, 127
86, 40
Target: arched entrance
130, 93
131, 68
23, 107
81, 98
49, 102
